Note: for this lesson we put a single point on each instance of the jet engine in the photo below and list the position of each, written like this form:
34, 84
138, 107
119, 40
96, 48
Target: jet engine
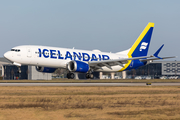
45, 69
78, 66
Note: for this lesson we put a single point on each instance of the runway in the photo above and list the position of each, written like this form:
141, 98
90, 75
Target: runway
88, 84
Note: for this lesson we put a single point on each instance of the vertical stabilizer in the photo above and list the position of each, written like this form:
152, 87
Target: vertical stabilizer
141, 46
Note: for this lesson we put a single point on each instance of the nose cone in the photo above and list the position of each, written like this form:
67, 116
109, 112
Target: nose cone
7, 55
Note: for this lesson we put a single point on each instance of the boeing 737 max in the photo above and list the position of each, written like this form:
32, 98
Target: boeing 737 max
48, 59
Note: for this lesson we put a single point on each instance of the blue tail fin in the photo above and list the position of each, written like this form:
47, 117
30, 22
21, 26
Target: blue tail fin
141, 46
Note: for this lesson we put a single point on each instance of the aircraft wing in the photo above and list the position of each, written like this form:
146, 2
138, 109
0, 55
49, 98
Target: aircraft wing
120, 62
109, 63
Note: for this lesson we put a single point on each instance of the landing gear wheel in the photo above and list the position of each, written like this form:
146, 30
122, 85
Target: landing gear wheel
18, 71
89, 76
70, 75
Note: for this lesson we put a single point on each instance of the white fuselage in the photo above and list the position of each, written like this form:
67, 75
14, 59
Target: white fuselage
55, 57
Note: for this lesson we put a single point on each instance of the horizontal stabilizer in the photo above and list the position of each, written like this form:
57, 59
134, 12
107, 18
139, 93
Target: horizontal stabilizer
157, 58
157, 52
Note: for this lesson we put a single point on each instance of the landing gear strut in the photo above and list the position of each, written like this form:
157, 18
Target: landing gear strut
70, 75
19, 70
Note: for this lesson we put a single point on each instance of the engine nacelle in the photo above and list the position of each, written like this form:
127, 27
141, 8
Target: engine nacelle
45, 69
78, 66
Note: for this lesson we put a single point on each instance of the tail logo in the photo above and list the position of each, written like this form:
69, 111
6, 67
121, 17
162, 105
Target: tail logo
143, 46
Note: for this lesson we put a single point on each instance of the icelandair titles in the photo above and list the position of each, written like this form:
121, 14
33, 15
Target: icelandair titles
56, 54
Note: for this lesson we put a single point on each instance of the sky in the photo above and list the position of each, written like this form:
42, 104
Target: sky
107, 25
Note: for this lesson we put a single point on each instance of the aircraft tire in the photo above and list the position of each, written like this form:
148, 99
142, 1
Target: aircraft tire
68, 75
89, 76
19, 71
72, 75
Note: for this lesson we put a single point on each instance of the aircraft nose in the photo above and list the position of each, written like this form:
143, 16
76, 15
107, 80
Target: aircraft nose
7, 55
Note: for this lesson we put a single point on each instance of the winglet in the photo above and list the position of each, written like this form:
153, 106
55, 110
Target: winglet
157, 52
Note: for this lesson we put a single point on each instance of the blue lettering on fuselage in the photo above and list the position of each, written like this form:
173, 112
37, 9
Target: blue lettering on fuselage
68, 55
39, 52
99, 57
76, 55
86, 57
105, 57
94, 58
45, 51
56, 54
52, 53
59, 55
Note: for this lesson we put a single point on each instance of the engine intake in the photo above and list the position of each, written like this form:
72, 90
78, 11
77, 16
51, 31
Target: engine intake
78, 66
45, 69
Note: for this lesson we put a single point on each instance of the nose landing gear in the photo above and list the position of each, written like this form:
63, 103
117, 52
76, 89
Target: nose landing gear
19, 70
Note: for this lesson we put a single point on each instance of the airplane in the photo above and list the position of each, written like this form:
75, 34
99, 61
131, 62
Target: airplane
48, 59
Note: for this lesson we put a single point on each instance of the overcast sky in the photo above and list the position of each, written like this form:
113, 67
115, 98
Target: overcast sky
107, 25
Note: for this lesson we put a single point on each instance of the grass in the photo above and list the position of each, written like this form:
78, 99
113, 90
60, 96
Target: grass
90, 81
90, 103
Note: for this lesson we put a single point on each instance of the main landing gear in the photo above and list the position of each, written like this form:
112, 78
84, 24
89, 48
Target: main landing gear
89, 76
72, 76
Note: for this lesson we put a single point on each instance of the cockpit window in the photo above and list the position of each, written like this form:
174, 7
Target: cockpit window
16, 50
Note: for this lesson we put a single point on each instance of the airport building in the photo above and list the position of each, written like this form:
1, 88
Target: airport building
8, 71
153, 70
156, 69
